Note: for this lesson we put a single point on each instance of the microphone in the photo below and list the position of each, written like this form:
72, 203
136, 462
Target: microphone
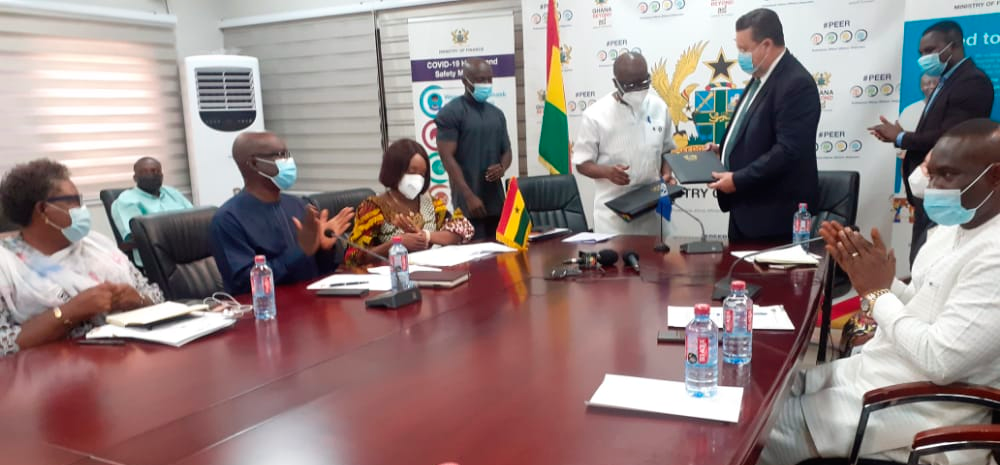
591, 260
722, 286
702, 246
631, 260
344, 240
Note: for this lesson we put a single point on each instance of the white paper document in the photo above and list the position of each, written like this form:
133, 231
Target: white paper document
786, 256
456, 254
588, 237
150, 314
372, 282
765, 318
172, 334
668, 397
386, 270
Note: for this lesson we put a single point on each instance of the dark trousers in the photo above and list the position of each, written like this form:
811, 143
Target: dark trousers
486, 227
921, 223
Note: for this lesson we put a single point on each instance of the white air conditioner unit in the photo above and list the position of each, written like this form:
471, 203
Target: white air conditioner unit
221, 97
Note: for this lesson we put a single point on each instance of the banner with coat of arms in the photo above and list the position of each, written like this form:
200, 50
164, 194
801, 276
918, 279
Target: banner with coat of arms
851, 48
439, 47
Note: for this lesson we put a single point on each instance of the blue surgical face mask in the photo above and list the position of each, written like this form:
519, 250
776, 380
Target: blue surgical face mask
932, 64
79, 225
944, 206
481, 92
287, 172
745, 60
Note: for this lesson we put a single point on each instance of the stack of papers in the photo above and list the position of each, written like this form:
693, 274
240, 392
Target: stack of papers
152, 314
372, 282
536, 236
788, 256
765, 318
174, 334
452, 255
413, 268
668, 397
588, 237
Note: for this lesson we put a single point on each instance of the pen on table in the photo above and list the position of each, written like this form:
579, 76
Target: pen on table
100, 342
352, 283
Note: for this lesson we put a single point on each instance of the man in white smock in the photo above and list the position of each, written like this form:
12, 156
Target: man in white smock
621, 143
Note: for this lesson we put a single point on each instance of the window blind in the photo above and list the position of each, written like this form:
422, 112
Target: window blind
95, 94
319, 84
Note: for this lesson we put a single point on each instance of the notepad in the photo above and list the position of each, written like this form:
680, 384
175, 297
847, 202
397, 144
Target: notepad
787, 256
588, 237
413, 269
174, 334
666, 397
154, 313
372, 282
765, 318
453, 255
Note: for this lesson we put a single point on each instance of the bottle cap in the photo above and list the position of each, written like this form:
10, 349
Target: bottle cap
397, 240
803, 205
702, 310
259, 260
739, 286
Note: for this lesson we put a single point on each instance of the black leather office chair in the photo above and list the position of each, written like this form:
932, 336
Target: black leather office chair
553, 202
108, 197
337, 200
838, 201
176, 248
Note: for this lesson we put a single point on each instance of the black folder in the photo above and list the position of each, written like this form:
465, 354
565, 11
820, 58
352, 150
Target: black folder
641, 200
694, 167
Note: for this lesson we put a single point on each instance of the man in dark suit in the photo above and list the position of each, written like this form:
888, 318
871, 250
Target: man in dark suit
769, 148
964, 92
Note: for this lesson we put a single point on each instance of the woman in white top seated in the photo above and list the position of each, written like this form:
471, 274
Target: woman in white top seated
58, 279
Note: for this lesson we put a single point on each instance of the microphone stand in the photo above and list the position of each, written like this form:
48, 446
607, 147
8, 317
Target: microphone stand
702, 246
722, 286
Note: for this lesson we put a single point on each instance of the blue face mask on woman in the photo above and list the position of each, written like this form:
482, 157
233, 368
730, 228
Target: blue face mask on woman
79, 225
287, 172
944, 206
932, 64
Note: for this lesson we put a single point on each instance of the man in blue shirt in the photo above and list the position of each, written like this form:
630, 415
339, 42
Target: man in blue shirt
261, 220
148, 197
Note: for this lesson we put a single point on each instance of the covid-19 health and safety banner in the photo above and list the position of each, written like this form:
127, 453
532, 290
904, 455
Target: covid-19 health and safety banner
980, 23
853, 49
439, 47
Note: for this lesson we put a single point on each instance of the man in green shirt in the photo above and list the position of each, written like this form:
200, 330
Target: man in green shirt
149, 196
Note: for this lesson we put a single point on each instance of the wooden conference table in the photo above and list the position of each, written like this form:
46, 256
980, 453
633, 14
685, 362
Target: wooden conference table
495, 371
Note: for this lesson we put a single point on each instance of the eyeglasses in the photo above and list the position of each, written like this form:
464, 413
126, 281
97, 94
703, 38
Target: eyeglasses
76, 200
633, 86
274, 155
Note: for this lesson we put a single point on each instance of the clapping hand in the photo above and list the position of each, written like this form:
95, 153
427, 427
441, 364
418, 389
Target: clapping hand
337, 225
886, 131
870, 265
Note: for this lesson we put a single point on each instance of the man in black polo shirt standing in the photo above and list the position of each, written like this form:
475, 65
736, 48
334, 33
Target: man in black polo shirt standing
475, 148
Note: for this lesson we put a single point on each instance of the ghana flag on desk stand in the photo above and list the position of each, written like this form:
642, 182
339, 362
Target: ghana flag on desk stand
553, 144
515, 222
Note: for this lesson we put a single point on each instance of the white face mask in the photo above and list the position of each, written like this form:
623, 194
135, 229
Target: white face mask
411, 185
634, 99
918, 182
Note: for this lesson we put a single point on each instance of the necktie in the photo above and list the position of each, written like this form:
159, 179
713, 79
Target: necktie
740, 122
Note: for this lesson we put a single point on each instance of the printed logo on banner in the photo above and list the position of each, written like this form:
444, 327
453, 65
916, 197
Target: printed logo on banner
826, 93
431, 101
539, 20
875, 88
565, 56
614, 48
839, 35
721, 7
460, 36
661, 9
429, 135
438, 173
899, 206
837, 144
580, 101
540, 105
602, 13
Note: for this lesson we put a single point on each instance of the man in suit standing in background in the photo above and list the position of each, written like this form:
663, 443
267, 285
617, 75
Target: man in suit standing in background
963, 92
769, 149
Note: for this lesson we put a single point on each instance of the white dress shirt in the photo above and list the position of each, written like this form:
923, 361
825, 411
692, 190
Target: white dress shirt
745, 106
943, 327
612, 133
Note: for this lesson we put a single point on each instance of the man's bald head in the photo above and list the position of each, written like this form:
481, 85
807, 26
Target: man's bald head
966, 152
477, 71
145, 163
631, 67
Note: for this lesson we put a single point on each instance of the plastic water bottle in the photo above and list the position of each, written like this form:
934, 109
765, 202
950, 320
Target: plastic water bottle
262, 288
399, 262
802, 224
701, 370
737, 323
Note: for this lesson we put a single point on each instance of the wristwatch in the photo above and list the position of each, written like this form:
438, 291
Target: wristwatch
868, 301
58, 313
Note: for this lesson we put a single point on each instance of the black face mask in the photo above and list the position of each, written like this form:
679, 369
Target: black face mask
150, 183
